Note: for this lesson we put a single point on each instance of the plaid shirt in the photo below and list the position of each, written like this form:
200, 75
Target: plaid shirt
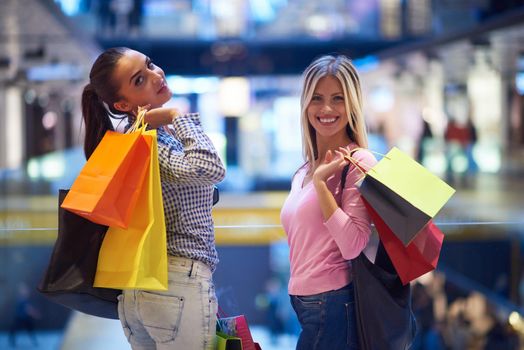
189, 168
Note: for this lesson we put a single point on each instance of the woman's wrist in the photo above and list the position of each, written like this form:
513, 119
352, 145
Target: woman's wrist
173, 114
318, 181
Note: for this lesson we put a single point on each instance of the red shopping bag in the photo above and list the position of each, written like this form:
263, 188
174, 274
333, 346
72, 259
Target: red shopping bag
418, 257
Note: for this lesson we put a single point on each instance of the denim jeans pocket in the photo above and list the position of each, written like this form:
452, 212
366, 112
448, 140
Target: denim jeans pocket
212, 300
160, 315
122, 316
309, 301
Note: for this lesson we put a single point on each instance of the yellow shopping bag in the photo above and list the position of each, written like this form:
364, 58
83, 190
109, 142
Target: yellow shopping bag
106, 190
136, 257
404, 194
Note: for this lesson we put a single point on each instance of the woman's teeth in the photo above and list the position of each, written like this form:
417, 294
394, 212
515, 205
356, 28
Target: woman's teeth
327, 120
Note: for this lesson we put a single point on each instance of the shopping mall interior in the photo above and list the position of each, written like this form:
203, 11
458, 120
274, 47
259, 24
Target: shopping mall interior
442, 80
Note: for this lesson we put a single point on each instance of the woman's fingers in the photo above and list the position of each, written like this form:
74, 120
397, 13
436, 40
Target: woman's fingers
339, 154
343, 157
329, 157
345, 151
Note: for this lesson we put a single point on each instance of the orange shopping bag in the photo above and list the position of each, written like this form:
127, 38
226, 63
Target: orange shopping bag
136, 257
107, 188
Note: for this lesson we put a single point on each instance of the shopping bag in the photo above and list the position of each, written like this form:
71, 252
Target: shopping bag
237, 326
107, 188
136, 257
383, 312
404, 194
418, 257
227, 342
68, 279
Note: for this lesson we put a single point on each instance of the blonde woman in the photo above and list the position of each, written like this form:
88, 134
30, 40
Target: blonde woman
325, 224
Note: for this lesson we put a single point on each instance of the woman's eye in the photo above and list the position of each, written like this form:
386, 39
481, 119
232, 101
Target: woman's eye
150, 65
316, 98
139, 80
338, 98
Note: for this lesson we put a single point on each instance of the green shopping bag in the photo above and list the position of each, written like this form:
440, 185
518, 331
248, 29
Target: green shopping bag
404, 194
227, 342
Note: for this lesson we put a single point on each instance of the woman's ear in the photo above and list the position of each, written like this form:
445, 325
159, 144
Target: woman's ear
123, 106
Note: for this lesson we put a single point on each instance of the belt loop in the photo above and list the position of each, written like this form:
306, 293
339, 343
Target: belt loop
191, 269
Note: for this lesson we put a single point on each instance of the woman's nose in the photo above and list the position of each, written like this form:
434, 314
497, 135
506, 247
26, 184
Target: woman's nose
326, 107
157, 78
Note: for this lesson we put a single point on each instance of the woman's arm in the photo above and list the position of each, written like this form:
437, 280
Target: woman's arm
332, 163
158, 117
199, 162
349, 223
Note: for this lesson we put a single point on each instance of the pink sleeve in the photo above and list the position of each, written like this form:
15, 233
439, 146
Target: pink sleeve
350, 225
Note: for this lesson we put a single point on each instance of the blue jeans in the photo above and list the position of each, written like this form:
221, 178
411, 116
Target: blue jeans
327, 320
183, 317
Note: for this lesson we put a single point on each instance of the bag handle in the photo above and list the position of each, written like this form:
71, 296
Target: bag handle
356, 162
353, 161
370, 251
139, 124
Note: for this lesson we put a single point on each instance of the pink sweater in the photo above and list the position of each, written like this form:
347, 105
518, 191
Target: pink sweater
320, 250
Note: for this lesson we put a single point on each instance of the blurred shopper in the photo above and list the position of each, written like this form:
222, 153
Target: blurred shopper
273, 305
377, 139
428, 336
458, 334
327, 226
136, 17
106, 18
122, 10
460, 139
183, 317
501, 337
424, 140
25, 316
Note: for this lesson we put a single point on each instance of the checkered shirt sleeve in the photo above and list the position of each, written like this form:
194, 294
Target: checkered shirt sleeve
189, 169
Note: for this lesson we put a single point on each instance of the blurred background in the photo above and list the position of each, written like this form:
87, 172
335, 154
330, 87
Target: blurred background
443, 80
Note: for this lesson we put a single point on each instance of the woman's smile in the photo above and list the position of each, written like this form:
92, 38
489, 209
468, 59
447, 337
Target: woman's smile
328, 120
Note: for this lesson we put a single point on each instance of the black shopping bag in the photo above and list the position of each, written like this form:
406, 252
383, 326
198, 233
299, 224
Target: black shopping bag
385, 320
383, 313
404, 194
68, 280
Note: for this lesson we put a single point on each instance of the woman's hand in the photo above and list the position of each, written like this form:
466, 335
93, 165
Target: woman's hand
158, 117
333, 161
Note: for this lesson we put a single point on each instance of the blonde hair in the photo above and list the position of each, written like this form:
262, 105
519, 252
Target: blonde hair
341, 68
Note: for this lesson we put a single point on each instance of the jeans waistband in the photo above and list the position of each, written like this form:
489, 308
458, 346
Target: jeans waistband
191, 267
347, 288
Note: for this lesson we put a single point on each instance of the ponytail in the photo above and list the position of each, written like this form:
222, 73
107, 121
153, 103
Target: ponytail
101, 88
96, 119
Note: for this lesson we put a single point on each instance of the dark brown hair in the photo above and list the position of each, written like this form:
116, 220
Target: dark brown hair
100, 89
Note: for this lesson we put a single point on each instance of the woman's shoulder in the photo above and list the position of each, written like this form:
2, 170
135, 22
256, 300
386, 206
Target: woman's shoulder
165, 134
167, 141
301, 169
